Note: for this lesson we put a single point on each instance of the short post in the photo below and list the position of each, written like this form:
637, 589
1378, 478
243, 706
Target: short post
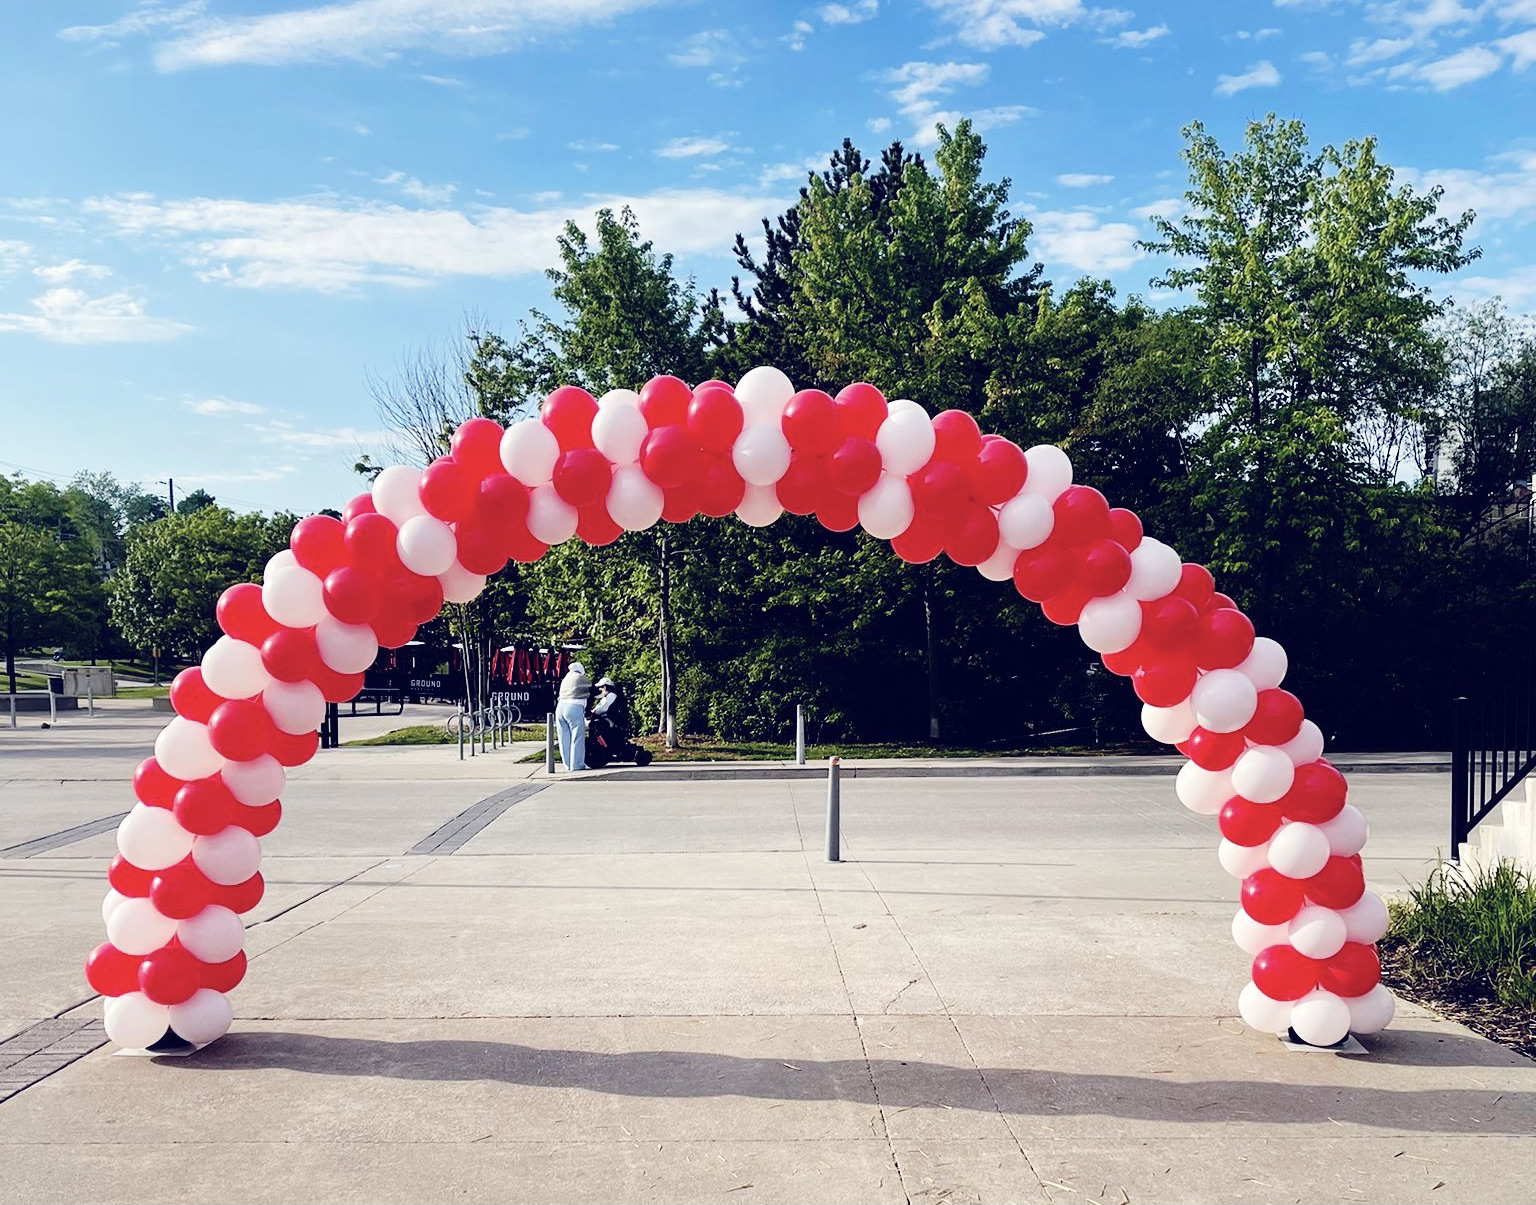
13, 709
834, 810
799, 735
549, 744
90, 697
461, 735
1461, 772
53, 708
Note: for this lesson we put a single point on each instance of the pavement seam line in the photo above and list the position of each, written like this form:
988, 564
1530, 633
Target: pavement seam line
62, 1043
459, 830
66, 836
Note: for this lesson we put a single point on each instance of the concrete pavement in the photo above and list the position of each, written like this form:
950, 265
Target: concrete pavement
625, 987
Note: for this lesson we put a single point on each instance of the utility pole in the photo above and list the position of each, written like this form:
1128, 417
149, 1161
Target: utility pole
170, 486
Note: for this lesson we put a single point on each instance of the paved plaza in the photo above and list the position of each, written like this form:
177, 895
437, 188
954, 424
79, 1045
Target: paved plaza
470, 982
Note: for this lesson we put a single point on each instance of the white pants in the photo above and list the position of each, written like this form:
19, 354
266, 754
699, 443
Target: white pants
570, 720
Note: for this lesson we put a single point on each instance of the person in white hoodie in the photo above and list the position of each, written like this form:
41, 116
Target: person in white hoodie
570, 716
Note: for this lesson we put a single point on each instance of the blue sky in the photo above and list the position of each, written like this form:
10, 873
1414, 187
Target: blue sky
218, 216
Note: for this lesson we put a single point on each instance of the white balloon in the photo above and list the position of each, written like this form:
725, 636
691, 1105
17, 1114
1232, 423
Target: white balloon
294, 597
1320, 1018
1259, 1012
529, 450
282, 559
255, 783
1155, 570
295, 707
426, 545
184, 750
134, 1021
999, 566
151, 838
905, 439
229, 856
1263, 774
1265, 666
761, 454
1203, 791
618, 429
1372, 1012
215, 934
1298, 851
1110, 625
886, 509
760, 506
1050, 471
397, 494
1306, 746
1224, 700
460, 585
1366, 920
635, 502
1240, 861
763, 392
1254, 938
1026, 520
136, 927
347, 648
110, 901
550, 517
233, 669
202, 1018
1317, 932
1347, 831
1169, 725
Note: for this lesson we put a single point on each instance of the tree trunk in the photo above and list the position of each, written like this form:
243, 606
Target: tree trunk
932, 657
664, 637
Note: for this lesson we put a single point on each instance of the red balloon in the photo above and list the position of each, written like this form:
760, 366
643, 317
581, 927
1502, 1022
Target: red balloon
1125, 528
1196, 584
582, 477
680, 503
1339, 884
939, 488
153, 786
337, 688
240, 614
664, 401
1245, 823
260, 820
956, 437
191, 697
920, 543
721, 487
972, 537
1168, 623
1317, 794
361, 504
319, 543
1125, 661
351, 595
371, 545
855, 466
293, 750
1219, 602
1277, 719
477, 446
569, 412
169, 975
111, 972
806, 484
669, 456
524, 547
595, 525
1103, 567
503, 502
242, 897
448, 490
393, 630
1082, 515
1223, 638
715, 419
1215, 750
1066, 608
420, 598
240, 730
1353, 971
861, 409
180, 891
1042, 571
1285, 973
204, 807
1270, 898
1166, 682
127, 879
1000, 470
482, 547
838, 513
810, 423
224, 976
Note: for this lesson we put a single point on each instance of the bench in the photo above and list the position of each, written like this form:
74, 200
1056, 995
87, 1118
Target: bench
379, 697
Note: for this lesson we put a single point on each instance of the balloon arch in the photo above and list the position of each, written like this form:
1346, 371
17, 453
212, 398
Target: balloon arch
189, 856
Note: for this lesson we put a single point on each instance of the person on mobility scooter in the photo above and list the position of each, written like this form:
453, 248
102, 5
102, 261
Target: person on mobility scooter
608, 729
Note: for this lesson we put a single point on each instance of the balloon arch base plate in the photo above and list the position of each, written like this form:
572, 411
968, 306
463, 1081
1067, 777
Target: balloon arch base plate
171, 1046
1349, 1044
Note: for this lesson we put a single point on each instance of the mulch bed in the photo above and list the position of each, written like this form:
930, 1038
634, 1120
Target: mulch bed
1469, 1002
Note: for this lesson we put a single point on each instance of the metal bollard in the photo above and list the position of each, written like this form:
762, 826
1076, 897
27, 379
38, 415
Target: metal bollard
799, 735
13, 711
461, 736
549, 744
834, 810
90, 698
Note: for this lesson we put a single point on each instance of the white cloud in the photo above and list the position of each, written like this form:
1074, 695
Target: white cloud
1081, 180
1257, 35
410, 186
919, 85
1424, 18
215, 407
848, 14
141, 20
797, 35
1078, 239
988, 24
1463, 67
442, 81
691, 148
1260, 75
58, 274
927, 135
592, 148
1517, 10
878, 125
1132, 39
379, 30
1377, 50
1521, 47
65, 315
710, 48
14, 256
1517, 288
324, 437
1504, 194
1171, 208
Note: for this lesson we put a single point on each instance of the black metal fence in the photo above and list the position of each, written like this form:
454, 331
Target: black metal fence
1493, 747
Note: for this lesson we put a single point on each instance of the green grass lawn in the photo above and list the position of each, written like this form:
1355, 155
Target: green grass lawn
438, 734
